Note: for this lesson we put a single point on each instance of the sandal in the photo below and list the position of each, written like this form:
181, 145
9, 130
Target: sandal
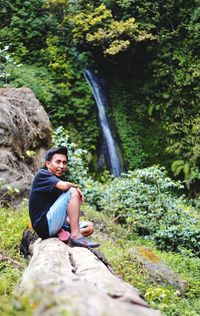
82, 242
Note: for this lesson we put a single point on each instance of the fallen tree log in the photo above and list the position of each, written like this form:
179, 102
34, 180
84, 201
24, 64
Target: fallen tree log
60, 280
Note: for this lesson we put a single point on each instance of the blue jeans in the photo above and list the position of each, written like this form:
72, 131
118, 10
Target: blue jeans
57, 214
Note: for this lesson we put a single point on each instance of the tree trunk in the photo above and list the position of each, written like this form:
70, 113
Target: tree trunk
73, 281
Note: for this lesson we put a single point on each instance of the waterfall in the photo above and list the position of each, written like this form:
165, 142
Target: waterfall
99, 96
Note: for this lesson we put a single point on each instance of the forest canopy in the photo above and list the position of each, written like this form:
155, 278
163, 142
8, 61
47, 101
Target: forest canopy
148, 54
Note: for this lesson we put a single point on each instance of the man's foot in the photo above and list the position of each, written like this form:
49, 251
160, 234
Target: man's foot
63, 235
82, 242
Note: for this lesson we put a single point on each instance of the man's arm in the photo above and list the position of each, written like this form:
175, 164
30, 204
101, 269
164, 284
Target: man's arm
64, 186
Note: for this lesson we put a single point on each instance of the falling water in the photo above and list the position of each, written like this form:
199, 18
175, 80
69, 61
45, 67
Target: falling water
99, 96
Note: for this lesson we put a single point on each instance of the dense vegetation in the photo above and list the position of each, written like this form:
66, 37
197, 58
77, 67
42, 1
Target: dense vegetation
148, 54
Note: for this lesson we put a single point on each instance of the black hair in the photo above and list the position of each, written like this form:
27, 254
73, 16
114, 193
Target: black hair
59, 150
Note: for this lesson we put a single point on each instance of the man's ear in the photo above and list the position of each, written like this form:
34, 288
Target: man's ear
47, 163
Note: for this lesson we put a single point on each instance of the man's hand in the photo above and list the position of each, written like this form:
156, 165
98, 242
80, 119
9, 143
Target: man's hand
82, 198
64, 186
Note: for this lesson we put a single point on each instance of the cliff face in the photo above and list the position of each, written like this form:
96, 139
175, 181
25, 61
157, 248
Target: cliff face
25, 134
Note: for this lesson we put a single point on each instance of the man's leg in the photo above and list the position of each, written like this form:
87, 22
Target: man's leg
73, 212
57, 213
77, 239
87, 230
68, 204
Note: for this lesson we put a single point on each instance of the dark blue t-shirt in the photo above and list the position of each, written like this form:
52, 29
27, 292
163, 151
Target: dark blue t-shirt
42, 196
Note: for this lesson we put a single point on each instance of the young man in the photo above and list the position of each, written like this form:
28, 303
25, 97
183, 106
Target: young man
54, 204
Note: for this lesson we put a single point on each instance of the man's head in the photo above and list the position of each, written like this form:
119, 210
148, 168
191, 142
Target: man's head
56, 160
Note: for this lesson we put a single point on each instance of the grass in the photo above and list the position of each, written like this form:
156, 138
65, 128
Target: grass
115, 244
12, 264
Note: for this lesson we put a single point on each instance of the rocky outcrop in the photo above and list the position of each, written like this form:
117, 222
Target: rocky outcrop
25, 134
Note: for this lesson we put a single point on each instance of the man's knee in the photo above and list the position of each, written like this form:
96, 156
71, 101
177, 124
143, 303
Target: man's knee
88, 230
74, 193
90, 227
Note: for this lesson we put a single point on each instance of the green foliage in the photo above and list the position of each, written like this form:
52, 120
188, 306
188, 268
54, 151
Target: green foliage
176, 74
95, 27
25, 26
37, 78
146, 201
184, 142
166, 75
11, 232
133, 154
6, 61
141, 139
12, 224
154, 83
72, 104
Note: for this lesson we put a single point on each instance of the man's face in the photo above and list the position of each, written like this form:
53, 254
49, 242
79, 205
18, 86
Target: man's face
57, 165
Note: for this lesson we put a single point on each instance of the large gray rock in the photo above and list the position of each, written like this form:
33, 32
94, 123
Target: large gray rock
24, 128
156, 270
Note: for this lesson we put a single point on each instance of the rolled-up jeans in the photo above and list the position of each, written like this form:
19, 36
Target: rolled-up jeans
57, 215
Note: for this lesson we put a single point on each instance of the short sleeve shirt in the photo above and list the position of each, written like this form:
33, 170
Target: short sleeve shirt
42, 196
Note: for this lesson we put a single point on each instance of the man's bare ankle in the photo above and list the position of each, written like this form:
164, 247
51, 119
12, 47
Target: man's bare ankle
76, 236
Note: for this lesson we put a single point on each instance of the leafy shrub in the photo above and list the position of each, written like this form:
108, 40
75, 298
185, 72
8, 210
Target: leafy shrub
177, 236
5, 60
147, 200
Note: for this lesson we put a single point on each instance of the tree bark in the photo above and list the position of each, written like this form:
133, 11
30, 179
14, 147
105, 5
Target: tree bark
72, 281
